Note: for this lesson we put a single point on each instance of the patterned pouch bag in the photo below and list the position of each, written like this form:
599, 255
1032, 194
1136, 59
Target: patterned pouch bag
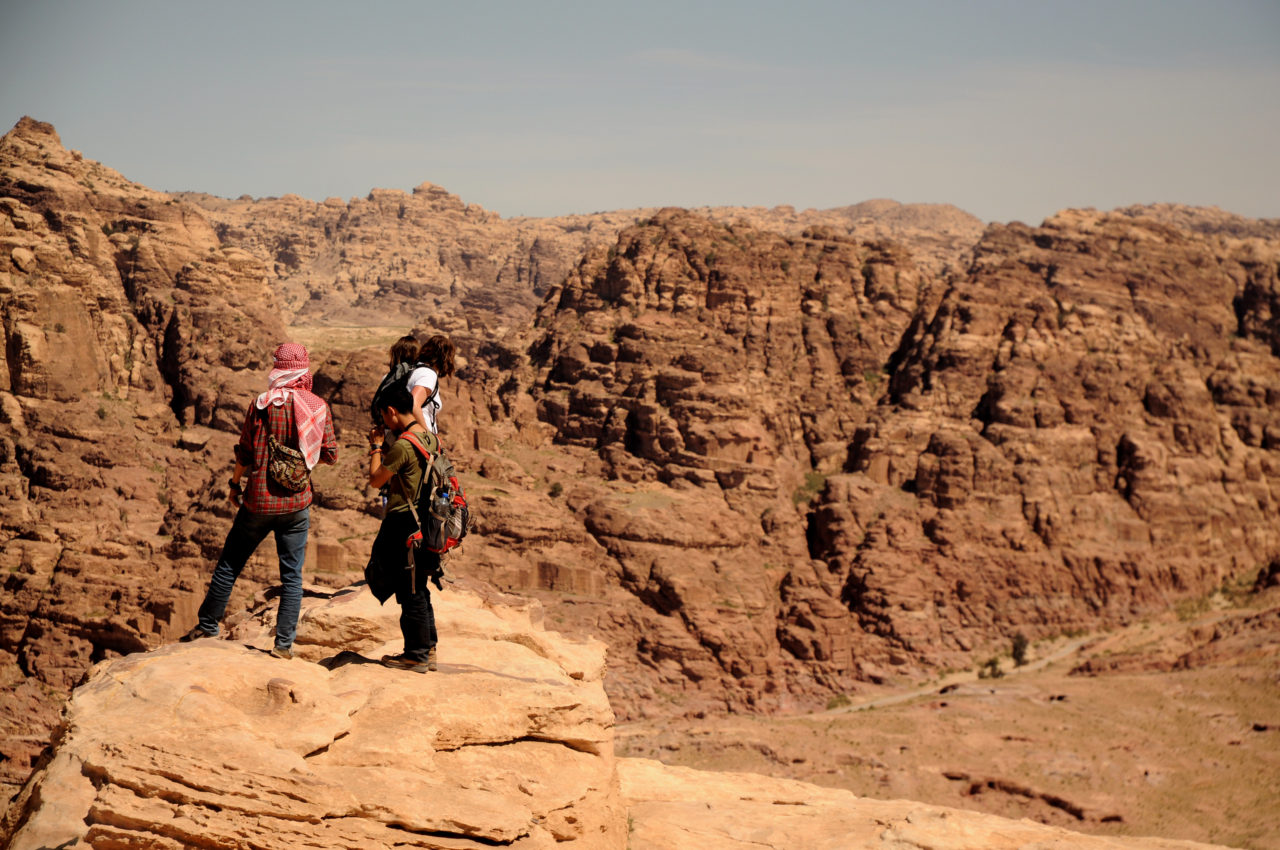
287, 467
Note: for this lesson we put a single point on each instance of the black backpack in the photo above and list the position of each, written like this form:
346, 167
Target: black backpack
441, 512
399, 374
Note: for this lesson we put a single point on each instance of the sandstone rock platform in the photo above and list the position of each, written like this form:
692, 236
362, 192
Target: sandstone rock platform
218, 744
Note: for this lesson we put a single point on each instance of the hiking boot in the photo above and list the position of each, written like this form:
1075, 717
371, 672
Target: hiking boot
403, 662
281, 652
195, 634
431, 659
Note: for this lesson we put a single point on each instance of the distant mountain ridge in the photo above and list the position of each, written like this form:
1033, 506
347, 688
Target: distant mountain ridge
427, 250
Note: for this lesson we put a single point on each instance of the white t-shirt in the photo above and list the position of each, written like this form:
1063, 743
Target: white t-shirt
427, 378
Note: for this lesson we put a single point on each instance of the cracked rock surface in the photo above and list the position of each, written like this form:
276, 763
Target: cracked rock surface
218, 744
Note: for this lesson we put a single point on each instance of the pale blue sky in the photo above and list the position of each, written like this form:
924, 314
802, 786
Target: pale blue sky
1010, 109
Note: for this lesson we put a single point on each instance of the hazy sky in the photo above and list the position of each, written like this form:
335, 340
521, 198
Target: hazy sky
1010, 110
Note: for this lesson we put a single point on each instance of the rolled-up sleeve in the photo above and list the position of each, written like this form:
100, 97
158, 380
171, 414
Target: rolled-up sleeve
329, 447
244, 448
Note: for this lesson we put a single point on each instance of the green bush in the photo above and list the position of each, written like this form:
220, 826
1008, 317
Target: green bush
990, 669
814, 481
1019, 649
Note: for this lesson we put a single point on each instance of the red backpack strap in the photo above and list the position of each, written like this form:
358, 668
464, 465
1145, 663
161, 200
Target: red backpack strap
427, 460
417, 444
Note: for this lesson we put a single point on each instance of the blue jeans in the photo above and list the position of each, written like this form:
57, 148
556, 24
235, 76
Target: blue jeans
247, 531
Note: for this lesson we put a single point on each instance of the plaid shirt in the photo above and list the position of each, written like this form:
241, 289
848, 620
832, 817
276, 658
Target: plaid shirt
261, 494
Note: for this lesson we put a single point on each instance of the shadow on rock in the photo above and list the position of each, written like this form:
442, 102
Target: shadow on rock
342, 659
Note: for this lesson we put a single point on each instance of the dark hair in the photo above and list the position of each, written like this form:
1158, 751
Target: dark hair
437, 353
395, 397
404, 350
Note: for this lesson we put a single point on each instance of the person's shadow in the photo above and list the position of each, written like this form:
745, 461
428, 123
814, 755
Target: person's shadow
342, 659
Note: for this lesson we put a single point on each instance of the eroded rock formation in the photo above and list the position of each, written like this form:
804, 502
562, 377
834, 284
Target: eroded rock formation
392, 257
713, 369
940, 236
826, 465
217, 744
1083, 430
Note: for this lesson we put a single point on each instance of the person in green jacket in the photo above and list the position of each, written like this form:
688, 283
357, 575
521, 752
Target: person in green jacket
401, 468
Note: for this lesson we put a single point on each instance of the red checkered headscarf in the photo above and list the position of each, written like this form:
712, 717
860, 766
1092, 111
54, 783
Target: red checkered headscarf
291, 377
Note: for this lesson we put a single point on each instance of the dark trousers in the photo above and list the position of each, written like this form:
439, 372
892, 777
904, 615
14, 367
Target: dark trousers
417, 621
388, 574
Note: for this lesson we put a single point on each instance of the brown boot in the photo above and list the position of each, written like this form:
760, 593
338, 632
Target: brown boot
195, 634
400, 662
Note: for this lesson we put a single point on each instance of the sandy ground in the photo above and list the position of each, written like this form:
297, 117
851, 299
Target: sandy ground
1191, 754
326, 339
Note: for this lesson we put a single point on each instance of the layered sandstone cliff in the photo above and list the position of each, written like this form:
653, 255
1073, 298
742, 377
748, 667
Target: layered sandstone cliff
823, 465
392, 257
1084, 431
395, 258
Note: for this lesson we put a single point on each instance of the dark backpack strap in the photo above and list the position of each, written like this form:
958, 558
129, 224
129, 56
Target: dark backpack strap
266, 419
435, 391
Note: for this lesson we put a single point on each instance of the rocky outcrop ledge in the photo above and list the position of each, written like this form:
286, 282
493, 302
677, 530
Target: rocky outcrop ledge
217, 744
510, 744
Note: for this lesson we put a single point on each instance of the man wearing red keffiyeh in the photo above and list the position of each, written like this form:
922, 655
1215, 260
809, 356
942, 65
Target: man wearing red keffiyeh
297, 418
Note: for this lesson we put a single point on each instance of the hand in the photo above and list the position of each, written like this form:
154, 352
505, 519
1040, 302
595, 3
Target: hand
376, 435
235, 493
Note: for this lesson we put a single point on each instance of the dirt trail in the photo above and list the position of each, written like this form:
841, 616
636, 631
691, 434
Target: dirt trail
1069, 648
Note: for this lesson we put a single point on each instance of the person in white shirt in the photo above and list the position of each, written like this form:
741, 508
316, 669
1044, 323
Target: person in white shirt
435, 361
